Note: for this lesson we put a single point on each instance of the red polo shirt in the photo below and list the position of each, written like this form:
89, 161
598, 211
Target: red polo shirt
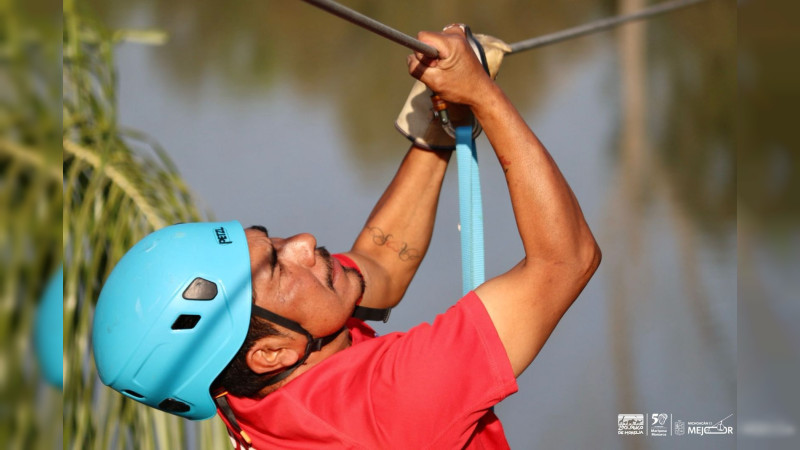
431, 387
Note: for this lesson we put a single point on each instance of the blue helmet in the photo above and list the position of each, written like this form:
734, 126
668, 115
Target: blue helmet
49, 330
173, 313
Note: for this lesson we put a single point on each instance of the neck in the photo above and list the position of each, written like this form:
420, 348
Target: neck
341, 342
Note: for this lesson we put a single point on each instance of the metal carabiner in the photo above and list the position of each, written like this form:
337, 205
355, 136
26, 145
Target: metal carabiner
440, 106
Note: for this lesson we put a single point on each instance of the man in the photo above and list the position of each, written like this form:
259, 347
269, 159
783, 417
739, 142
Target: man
264, 323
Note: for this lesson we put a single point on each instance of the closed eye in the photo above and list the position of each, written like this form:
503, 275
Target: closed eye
274, 260
274, 256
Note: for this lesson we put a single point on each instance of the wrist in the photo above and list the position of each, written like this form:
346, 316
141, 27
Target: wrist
432, 156
494, 109
442, 155
485, 97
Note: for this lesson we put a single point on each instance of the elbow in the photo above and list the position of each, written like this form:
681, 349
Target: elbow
597, 256
590, 257
577, 261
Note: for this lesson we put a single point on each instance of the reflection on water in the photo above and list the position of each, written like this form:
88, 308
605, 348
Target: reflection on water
276, 112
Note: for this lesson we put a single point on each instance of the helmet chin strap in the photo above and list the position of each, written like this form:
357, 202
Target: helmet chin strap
312, 344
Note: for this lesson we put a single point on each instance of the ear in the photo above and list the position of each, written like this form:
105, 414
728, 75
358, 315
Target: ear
271, 353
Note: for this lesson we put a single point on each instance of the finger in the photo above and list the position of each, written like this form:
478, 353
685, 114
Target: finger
415, 67
423, 59
412, 61
435, 40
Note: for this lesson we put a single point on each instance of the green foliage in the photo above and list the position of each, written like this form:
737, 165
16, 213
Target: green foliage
30, 223
118, 187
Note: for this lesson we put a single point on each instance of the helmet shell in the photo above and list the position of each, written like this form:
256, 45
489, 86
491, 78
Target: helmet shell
49, 330
172, 314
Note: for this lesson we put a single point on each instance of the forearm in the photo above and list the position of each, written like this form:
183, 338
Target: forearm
549, 219
397, 233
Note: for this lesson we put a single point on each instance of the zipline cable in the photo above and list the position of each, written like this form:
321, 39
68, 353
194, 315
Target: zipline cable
375, 26
401, 38
599, 25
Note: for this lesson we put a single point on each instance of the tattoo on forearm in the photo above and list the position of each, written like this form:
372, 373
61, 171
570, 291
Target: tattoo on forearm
380, 238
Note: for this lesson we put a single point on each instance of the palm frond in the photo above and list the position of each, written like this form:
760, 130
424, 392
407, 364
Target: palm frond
30, 225
118, 187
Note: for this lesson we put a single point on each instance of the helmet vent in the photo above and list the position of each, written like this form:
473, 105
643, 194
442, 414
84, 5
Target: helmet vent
133, 394
185, 322
200, 289
171, 405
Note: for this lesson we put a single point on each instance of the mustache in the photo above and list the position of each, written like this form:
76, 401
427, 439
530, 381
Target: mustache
326, 256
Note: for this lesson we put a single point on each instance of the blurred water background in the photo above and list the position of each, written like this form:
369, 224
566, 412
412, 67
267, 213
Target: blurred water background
276, 113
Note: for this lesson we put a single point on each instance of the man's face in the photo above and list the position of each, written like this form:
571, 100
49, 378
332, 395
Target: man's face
295, 279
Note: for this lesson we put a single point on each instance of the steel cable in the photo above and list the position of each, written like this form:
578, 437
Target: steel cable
401, 38
599, 25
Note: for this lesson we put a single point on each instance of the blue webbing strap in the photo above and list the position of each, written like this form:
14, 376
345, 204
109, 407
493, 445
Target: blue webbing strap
470, 210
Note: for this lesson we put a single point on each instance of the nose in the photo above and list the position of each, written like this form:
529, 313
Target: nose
300, 248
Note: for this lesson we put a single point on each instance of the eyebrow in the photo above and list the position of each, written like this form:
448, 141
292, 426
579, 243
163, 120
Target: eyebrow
261, 228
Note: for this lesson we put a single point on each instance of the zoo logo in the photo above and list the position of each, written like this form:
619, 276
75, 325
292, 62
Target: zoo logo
630, 424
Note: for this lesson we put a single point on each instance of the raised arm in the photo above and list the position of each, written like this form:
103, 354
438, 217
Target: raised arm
525, 303
397, 233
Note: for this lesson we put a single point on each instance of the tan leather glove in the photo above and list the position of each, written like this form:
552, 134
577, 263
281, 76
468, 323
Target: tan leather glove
417, 120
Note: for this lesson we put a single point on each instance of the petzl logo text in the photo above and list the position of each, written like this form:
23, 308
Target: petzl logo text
222, 236
630, 424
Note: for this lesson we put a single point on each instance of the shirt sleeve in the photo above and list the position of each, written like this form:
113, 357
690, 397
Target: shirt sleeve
431, 386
